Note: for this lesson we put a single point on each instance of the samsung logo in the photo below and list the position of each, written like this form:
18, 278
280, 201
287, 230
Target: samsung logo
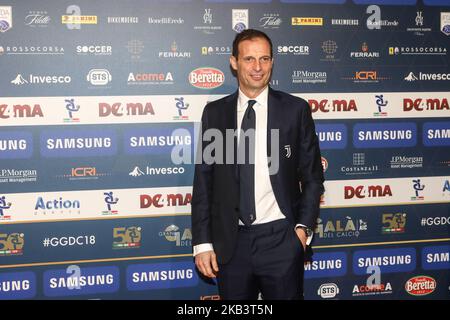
389, 260
80, 281
160, 141
78, 143
17, 285
385, 135
161, 276
436, 134
16, 145
332, 136
436, 258
167, 275
160, 138
327, 265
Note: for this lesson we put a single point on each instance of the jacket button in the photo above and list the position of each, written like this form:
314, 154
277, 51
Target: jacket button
236, 209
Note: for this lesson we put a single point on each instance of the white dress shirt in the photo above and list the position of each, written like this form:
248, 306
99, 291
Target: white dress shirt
266, 206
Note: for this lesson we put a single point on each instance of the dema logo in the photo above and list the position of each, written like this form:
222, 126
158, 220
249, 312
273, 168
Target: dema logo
389, 260
78, 143
436, 134
17, 285
161, 276
332, 136
77, 281
327, 265
385, 135
436, 258
16, 145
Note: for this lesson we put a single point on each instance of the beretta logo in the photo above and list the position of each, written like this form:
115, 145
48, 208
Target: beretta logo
206, 78
420, 285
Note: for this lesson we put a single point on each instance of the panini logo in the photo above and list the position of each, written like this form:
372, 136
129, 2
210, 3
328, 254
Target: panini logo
206, 78
66, 19
420, 286
161, 276
306, 21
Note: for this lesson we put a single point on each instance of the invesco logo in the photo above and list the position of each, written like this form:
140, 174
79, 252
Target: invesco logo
206, 78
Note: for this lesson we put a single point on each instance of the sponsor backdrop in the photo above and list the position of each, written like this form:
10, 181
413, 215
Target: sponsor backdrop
99, 109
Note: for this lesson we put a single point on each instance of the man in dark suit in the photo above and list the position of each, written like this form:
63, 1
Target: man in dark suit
254, 205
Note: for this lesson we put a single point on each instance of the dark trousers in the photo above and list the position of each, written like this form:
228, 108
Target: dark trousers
268, 259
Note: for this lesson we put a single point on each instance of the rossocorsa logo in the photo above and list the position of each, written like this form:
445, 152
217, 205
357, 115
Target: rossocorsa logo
206, 78
385, 135
161, 276
389, 260
332, 136
325, 265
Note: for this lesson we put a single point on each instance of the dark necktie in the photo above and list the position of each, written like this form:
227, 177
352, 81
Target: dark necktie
247, 169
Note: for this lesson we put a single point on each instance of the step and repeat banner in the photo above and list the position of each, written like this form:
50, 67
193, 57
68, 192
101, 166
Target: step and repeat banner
97, 96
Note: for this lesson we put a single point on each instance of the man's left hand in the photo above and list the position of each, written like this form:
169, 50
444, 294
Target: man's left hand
301, 234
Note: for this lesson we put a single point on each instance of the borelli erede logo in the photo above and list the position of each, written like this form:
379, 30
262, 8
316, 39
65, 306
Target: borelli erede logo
206, 78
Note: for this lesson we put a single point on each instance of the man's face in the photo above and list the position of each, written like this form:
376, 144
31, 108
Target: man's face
253, 66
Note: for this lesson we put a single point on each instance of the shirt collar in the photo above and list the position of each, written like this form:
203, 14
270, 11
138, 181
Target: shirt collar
261, 99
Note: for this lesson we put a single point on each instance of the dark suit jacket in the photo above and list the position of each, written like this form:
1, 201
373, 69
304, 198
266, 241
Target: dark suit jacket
215, 198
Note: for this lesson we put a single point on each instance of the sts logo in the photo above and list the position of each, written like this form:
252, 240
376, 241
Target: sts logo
127, 238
